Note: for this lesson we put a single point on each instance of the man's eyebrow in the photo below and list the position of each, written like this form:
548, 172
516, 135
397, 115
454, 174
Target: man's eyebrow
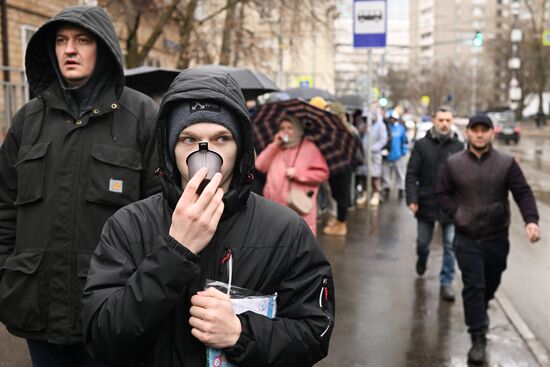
83, 34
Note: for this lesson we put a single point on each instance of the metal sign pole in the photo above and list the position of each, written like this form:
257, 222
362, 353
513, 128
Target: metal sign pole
369, 124
369, 31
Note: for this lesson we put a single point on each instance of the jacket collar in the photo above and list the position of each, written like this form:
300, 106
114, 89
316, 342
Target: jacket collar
483, 157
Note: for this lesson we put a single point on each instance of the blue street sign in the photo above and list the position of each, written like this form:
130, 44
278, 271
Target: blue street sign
369, 23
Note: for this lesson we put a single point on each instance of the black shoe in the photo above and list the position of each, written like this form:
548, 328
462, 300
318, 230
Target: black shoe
400, 194
420, 267
476, 354
446, 293
385, 194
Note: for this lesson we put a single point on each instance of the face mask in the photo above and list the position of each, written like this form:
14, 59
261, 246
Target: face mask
204, 158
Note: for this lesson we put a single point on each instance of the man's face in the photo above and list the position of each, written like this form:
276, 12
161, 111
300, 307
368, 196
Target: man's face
75, 49
479, 136
443, 122
220, 140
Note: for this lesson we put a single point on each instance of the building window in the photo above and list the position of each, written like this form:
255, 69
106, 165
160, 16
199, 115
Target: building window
478, 12
151, 61
426, 35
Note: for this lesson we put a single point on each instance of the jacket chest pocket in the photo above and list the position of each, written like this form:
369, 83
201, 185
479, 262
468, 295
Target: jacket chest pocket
114, 175
30, 167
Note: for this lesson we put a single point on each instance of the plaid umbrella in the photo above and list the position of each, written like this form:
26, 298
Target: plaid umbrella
322, 127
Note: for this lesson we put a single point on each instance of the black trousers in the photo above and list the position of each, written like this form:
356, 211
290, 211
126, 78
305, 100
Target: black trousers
340, 186
482, 263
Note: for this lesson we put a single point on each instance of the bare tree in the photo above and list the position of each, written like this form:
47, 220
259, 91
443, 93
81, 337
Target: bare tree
133, 12
186, 22
541, 54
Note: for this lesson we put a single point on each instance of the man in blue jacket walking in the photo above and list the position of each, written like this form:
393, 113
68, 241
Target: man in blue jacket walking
393, 162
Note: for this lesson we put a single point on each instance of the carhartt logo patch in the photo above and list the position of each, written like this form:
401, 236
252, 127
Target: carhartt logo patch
198, 106
115, 185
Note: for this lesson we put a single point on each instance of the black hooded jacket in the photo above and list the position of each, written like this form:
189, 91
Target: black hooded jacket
63, 172
138, 291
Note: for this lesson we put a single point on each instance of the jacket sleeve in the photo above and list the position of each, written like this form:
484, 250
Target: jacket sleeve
315, 169
8, 189
404, 141
300, 334
119, 296
150, 184
380, 138
265, 158
445, 190
522, 193
411, 179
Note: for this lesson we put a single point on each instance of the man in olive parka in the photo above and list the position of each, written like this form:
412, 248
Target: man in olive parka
80, 150
144, 303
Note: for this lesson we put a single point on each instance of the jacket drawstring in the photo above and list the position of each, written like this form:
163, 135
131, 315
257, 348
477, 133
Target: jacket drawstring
229, 259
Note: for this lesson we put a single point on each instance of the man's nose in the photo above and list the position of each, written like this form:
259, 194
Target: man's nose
70, 48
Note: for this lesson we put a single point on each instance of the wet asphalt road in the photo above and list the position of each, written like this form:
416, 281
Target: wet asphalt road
387, 316
526, 280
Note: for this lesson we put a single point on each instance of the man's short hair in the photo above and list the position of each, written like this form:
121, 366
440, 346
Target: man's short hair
443, 108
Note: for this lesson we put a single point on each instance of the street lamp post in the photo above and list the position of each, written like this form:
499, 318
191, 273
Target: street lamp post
514, 93
477, 43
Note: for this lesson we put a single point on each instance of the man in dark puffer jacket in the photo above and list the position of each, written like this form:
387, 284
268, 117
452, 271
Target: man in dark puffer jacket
143, 301
473, 189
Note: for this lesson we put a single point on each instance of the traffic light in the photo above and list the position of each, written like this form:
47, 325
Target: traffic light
478, 39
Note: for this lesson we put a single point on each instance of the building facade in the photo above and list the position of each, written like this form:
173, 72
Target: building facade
443, 37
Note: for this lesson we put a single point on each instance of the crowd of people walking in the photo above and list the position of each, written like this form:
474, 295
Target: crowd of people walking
103, 263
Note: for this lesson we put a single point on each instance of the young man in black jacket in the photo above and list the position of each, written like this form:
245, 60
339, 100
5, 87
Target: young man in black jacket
144, 300
473, 189
427, 158
75, 154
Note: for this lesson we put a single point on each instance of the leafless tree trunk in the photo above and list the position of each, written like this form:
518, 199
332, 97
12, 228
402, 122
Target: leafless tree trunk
134, 12
186, 23
227, 33
538, 9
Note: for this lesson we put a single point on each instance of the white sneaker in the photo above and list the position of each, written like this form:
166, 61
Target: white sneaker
375, 199
361, 200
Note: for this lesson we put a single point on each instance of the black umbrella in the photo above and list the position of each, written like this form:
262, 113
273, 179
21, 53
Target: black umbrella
306, 93
351, 101
150, 80
252, 82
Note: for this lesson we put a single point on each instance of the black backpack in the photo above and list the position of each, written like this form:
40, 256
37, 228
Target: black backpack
388, 129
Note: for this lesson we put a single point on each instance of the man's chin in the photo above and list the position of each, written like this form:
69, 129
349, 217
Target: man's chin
479, 147
75, 81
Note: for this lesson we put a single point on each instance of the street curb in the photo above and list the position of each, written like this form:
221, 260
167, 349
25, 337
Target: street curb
537, 349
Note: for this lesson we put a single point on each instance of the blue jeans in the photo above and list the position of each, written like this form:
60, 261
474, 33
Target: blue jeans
425, 232
44, 354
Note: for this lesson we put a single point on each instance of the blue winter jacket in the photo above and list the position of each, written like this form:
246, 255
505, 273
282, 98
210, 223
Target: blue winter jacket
399, 144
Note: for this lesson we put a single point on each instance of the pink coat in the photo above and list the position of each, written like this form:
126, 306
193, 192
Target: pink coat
311, 171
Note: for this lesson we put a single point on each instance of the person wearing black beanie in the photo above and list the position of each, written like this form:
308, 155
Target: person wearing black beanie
207, 227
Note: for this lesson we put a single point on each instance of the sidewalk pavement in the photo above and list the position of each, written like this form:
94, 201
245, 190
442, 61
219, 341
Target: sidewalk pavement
386, 315
528, 128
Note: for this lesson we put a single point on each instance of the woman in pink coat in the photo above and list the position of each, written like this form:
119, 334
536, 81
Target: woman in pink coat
292, 161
